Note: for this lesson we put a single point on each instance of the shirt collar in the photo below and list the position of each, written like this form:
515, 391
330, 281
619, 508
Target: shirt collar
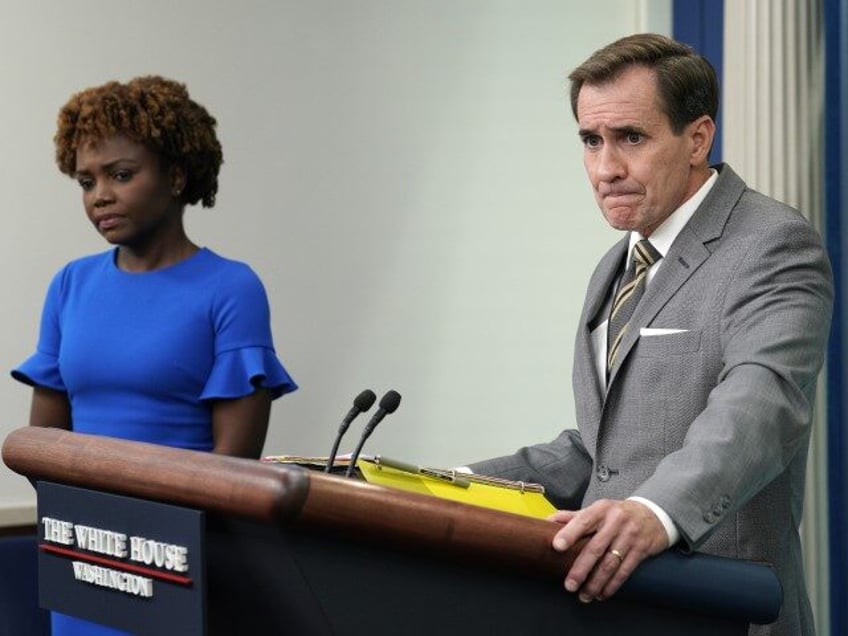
664, 235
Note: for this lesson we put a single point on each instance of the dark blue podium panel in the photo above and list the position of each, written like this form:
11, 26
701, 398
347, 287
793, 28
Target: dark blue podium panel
330, 584
127, 563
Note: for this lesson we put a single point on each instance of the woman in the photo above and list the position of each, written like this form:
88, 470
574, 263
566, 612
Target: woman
156, 340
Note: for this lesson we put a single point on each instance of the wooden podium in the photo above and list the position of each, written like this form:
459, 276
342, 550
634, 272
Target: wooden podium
289, 550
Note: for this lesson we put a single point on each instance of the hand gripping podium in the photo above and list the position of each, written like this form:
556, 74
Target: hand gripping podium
285, 550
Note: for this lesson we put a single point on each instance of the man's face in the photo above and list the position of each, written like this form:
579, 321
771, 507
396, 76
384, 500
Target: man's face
639, 169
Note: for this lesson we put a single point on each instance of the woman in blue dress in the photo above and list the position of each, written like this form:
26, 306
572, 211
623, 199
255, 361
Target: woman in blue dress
157, 339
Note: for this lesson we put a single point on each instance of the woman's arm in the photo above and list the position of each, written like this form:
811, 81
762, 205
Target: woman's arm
239, 426
50, 408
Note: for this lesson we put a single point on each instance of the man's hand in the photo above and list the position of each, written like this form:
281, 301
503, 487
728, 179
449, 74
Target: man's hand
625, 534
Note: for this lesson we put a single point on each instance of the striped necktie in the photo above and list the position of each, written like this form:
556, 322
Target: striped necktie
629, 292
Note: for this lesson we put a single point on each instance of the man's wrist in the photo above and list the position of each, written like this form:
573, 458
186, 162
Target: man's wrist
670, 529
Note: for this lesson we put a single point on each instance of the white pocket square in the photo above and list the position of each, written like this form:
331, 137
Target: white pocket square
647, 331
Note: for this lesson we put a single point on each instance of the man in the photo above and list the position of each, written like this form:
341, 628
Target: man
694, 368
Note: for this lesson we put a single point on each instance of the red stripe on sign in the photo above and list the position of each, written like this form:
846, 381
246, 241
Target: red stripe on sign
118, 565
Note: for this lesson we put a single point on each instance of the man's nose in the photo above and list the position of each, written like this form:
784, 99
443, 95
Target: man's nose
610, 165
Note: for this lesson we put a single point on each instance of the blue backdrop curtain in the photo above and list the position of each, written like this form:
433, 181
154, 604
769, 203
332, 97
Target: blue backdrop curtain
700, 24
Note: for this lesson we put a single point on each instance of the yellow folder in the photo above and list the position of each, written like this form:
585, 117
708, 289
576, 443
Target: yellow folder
515, 497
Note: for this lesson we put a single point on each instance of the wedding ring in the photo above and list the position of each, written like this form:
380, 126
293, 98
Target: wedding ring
618, 554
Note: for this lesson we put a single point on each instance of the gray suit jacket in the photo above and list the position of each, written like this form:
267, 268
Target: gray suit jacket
712, 423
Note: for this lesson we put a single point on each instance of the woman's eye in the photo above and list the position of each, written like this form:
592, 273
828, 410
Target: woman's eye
122, 175
85, 183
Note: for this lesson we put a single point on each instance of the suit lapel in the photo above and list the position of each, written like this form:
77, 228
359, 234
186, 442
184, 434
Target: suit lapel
600, 285
587, 393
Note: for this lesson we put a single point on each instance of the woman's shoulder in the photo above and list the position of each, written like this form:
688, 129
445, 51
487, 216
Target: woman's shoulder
91, 260
226, 268
227, 282
84, 266
211, 258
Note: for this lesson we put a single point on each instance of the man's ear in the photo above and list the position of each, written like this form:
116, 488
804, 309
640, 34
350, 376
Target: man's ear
701, 133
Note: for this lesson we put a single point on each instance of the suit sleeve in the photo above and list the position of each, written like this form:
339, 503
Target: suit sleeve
756, 423
562, 466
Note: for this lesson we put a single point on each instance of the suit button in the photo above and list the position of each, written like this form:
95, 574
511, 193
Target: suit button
718, 510
603, 473
724, 501
709, 517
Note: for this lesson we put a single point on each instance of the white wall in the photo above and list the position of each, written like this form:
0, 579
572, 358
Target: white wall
404, 176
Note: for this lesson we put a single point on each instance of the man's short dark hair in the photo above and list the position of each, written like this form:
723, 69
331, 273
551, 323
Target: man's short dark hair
686, 82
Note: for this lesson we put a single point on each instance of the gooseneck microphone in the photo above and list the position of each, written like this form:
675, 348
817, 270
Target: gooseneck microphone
388, 404
361, 403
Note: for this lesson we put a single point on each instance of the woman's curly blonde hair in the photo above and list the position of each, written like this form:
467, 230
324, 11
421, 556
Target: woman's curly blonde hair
153, 111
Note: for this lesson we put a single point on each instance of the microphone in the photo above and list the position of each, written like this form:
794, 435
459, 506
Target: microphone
361, 403
388, 404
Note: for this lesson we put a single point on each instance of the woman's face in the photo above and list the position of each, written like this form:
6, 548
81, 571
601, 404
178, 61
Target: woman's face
126, 193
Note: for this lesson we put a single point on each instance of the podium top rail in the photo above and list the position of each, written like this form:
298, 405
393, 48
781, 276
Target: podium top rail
288, 496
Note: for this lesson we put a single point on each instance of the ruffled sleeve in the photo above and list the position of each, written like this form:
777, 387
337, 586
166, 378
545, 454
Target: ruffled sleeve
238, 372
40, 369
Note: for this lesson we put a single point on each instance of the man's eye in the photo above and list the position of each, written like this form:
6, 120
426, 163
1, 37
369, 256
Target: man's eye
591, 141
634, 138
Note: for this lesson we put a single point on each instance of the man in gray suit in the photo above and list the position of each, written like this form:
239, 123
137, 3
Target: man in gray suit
697, 351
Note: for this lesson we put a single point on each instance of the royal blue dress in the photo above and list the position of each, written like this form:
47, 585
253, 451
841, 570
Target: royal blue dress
142, 355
